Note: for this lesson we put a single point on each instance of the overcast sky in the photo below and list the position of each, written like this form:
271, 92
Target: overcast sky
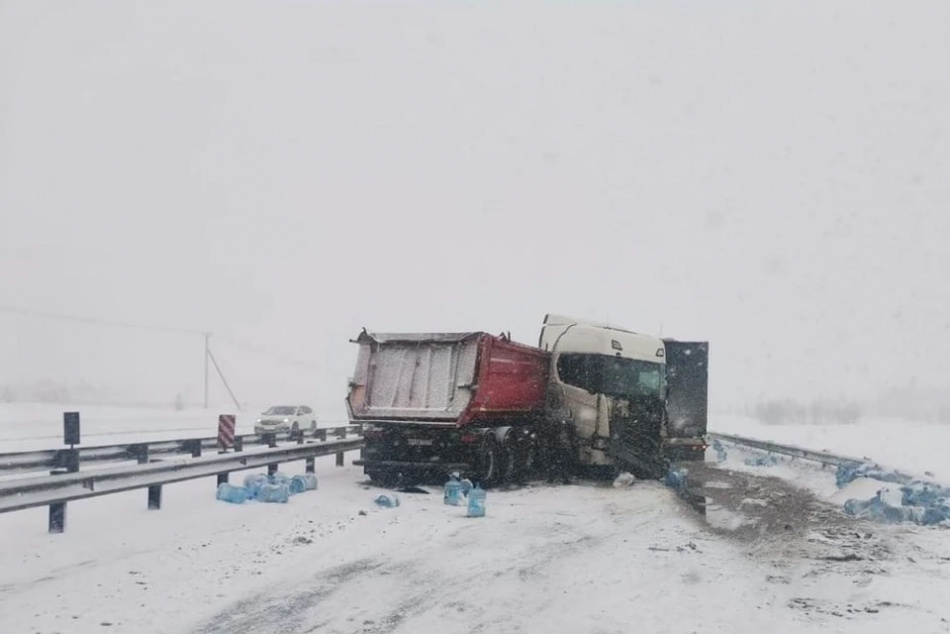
773, 177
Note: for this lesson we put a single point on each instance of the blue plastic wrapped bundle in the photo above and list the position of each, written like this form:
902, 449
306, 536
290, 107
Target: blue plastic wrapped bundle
310, 480
919, 493
230, 493
386, 501
856, 507
277, 493
845, 473
937, 513
476, 502
453, 492
278, 478
721, 454
767, 460
676, 479
850, 471
297, 485
253, 483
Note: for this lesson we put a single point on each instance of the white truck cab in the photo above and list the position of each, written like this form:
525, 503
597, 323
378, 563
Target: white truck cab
611, 385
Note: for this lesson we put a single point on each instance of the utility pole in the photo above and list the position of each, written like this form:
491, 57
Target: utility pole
207, 357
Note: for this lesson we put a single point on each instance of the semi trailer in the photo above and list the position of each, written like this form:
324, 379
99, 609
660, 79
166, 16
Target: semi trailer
604, 398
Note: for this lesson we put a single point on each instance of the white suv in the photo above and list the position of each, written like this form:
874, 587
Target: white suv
291, 418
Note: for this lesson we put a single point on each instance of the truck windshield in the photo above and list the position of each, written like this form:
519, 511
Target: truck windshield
613, 376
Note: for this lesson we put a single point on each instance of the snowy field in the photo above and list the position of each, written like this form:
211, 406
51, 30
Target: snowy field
916, 448
578, 558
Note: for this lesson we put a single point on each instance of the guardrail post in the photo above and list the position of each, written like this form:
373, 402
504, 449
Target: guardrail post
269, 439
139, 452
311, 467
57, 512
340, 433
321, 434
223, 478
155, 497
57, 517
67, 460
272, 469
239, 443
193, 446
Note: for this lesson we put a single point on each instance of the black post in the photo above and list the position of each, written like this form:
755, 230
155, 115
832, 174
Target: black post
321, 434
239, 443
71, 460
70, 428
223, 478
272, 469
155, 497
340, 433
311, 467
57, 517
57, 511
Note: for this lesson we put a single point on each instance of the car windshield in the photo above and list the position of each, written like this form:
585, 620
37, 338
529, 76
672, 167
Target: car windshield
281, 410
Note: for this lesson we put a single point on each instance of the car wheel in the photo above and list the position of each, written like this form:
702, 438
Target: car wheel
295, 430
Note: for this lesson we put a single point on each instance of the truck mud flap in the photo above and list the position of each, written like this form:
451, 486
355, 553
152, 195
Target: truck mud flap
687, 488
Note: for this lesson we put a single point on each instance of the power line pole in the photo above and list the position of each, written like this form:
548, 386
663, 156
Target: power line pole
224, 380
207, 357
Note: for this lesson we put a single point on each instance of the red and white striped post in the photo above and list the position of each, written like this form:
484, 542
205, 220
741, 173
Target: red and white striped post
225, 439
226, 431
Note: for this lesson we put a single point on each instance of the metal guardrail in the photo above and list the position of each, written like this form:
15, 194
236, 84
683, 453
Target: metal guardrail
49, 459
824, 457
67, 483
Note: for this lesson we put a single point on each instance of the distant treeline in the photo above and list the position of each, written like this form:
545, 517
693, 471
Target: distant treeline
908, 402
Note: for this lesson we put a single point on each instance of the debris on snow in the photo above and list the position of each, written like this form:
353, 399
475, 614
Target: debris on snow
625, 479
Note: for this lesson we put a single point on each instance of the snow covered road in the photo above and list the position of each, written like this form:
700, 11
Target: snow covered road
580, 558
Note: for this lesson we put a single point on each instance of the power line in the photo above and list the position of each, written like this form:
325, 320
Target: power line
266, 353
108, 323
94, 321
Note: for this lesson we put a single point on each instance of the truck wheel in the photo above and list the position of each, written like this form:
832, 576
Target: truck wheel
488, 462
508, 459
527, 461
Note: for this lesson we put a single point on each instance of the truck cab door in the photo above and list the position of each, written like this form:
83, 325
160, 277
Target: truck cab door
687, 380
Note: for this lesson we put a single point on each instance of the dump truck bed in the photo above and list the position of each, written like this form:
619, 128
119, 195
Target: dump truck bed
447, 379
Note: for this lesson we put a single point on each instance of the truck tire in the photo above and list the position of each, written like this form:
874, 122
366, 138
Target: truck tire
508, 459
526, 458
487, 471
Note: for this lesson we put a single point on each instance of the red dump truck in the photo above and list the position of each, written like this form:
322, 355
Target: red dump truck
491, 408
